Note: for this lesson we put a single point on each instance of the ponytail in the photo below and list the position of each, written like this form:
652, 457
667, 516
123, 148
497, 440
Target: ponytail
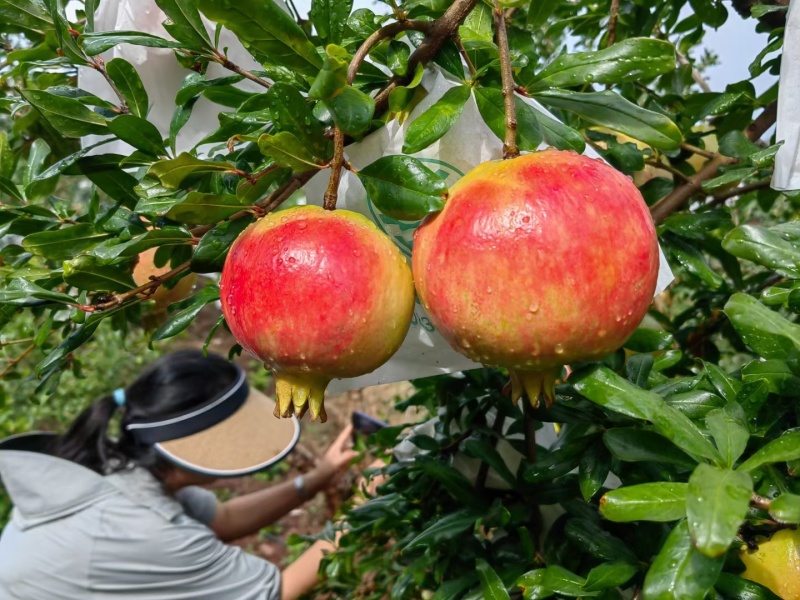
86, 442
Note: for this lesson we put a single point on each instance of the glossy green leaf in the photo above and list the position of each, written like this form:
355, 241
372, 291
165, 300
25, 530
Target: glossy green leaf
8, 188
710, 12
726, 386
352, 110
604, 387
446, 528
777, 374
291, 111
539, 11
187, 311
737, 588
68, 117
98, 42
20, 292
730, 176
139, 133
85, 273
679, 570
287, 151
593, 539
184, 23
175, 172
785, 508
437, 120
660, 501
483, 451
716, 505
765, 331
249, 193
609, 575
782, 449
329, 18
491, 584
403, 188
332, 78
111, 250
543, 583
764, 246
26, 14
209, 255
130, 86
558, 135
613, 111
397, 57
593, 469
634, 59
492, 108
61, 244
640, 445
202, 209
729, 430
691, 259
267, 31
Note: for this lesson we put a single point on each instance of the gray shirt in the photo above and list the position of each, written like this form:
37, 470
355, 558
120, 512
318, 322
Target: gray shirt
76, 535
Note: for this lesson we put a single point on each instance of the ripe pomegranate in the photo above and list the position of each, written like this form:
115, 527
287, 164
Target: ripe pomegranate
536, 262
316, 294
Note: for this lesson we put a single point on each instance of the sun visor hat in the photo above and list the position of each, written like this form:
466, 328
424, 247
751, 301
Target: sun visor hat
233, 434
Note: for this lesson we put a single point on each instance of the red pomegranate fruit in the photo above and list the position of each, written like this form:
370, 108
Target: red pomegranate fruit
315, 295
536, 262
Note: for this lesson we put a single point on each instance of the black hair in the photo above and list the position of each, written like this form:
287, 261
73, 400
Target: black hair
170, 385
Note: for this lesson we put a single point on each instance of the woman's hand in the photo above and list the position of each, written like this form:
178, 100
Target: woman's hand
337, 457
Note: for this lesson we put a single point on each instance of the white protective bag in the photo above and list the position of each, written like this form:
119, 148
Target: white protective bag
468, 143
787, 162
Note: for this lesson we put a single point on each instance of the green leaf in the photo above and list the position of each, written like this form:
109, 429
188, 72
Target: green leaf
483, 451
403, 188
267, 31
730, 176
777, 374
738, 588
615, 112
20, 292
558, 135
397, 57
726, 386
711, 12
286, 150
179, 118
679, 570
492, 586
332, 78
203, 209
139, 133
543, 583
85, 273
175, 172
661, 501
452, 480
765, 331
764, 246
786, 447
785, 508
591, 538
593, 469
640, 445
26, 14
329, 18
634, 59
737, 145
8, 188
716, 505
492, 108
645, 339
98, 42
290, 111
187, 311
61, 244
609, 575
693, 261
130, 86
539, 11
68, 117
112, 250
443, 529
352, 110
436, 120
185, 24
729, 430
210, 253
604, 387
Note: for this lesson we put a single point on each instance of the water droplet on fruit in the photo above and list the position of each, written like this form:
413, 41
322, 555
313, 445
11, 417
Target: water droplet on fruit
601, 333
618, 319
559, 349
284, 219
488, 289
302, 225
526, 219
292, 259
465, 344
533, 307
302, 357
356, 253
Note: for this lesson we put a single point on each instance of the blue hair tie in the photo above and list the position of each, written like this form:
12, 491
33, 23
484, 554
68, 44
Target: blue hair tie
119, 397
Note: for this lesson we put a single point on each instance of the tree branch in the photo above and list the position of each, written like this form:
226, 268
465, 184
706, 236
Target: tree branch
510, 149
221, 59
698, 78
676, 199
464, 55
696, 150
15, 361
612, 23
669, 168
738, 191
440, 30
99, 65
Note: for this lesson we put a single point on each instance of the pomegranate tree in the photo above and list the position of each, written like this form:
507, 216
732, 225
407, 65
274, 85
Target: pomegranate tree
536, 262
316, 295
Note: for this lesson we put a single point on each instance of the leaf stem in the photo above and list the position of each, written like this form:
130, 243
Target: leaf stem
99, 65
612, 23
530, 428
457, 39
147, 289
698, 151
510, 149
669, 168
15, 361
738, 191
221, 59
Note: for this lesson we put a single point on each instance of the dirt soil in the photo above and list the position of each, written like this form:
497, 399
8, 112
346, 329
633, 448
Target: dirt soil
377, 401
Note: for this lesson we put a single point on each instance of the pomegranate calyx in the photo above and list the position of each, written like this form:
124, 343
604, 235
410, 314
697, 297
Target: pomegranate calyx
297, 393
534, 385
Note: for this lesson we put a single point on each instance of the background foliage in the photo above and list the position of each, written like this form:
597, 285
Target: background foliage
696, 417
